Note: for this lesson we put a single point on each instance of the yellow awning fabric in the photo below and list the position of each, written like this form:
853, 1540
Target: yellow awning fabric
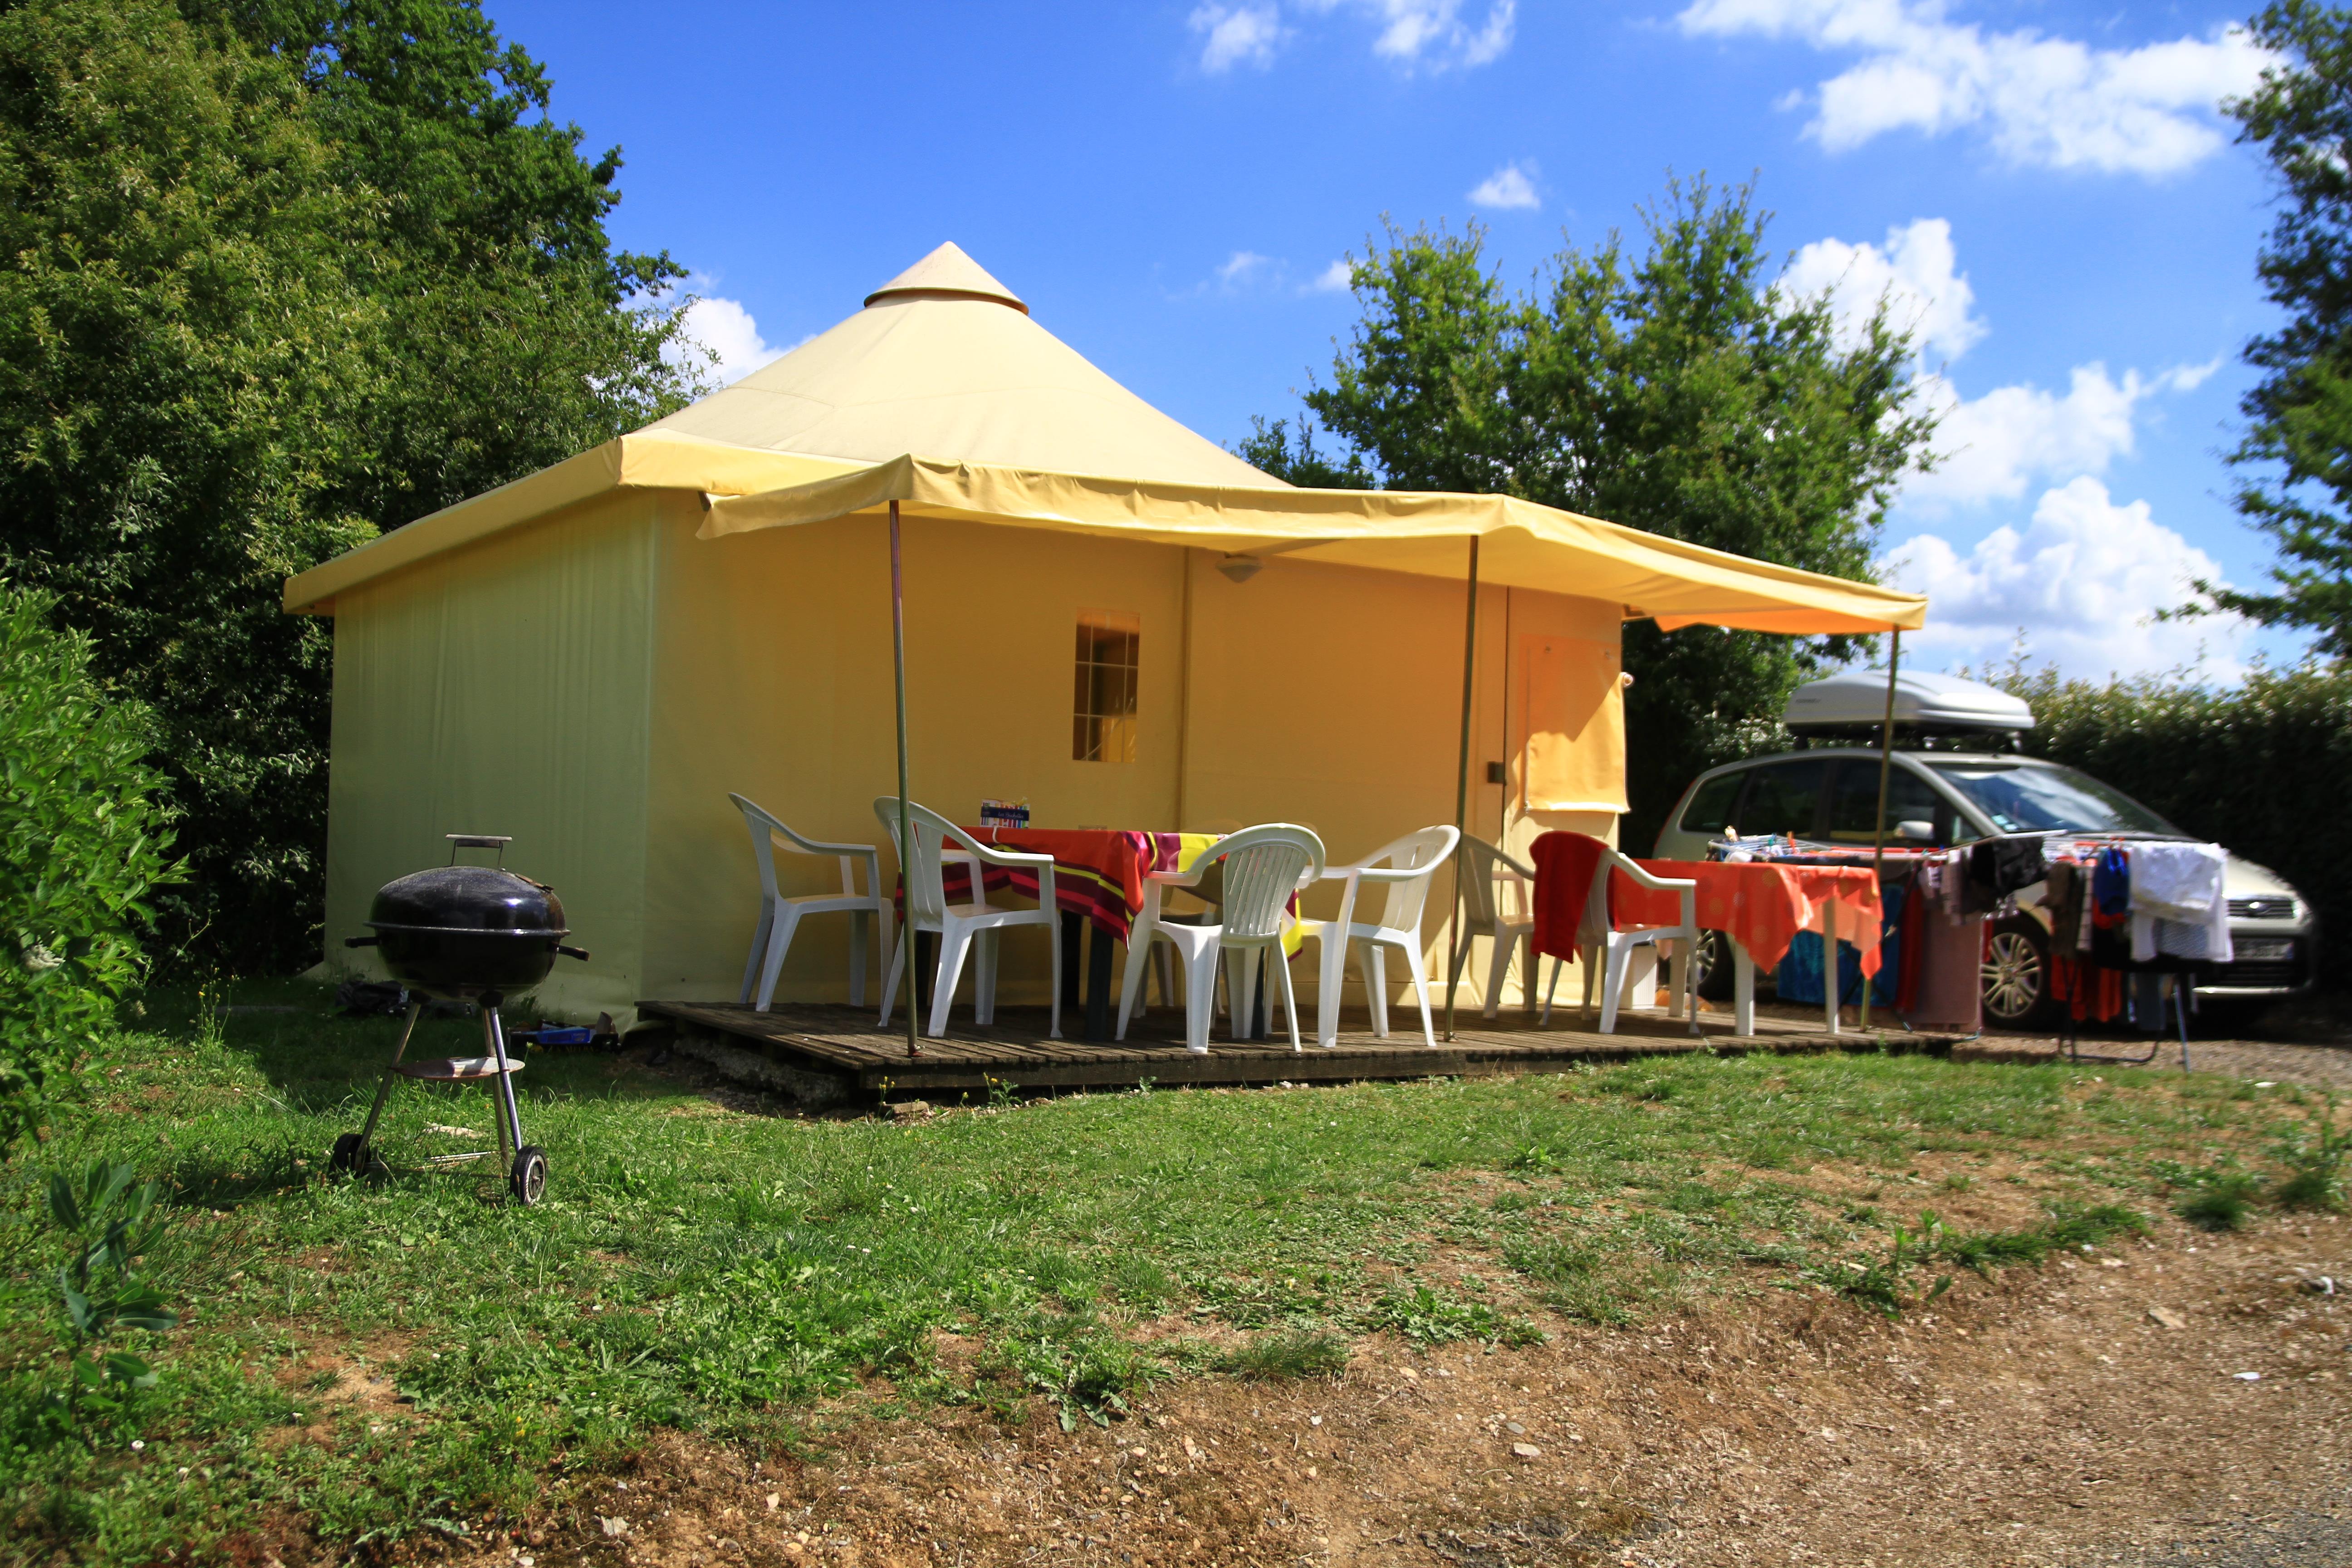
644, 460
1521, 544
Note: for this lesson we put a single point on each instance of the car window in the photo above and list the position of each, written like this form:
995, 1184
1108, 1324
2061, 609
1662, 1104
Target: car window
1909, 798
1710, 807
2033, 798
1782, 799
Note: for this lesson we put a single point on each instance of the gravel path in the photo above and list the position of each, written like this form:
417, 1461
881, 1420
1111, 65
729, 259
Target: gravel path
2294, 1540
2278, 1061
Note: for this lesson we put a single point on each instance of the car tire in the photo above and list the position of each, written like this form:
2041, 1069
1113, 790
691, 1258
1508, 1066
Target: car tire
1712, 967
2016, 975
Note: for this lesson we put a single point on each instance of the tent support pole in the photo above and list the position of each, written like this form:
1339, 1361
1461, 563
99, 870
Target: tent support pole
1878, 829
909, 946
1462, 789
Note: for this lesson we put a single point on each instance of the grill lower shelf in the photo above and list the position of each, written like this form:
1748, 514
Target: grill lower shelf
455, 1069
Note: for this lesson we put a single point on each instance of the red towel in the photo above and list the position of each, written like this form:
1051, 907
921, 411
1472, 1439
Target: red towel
1565, 864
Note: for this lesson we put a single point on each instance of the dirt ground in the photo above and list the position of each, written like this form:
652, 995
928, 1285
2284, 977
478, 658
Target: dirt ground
2051, 1418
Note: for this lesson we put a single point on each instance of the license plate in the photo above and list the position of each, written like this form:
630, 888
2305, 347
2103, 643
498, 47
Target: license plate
2263, 949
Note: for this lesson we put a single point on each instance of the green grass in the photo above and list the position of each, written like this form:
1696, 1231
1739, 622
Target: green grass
2220, 1200
741, 1277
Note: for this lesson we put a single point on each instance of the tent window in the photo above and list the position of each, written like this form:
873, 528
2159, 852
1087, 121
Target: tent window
1102, 728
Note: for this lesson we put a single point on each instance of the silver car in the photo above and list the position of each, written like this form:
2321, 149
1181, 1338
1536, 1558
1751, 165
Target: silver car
1831, 795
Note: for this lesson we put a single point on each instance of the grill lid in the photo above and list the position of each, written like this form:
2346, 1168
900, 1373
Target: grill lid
484, 899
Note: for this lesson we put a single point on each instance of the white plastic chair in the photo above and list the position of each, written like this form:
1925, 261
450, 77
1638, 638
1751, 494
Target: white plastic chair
962, 927
1263, 868
1595, 938
780, 917
1410, 864
1486, 871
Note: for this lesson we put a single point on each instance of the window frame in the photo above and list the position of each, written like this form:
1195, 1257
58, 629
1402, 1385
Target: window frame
1820, 792
1947, 818
1093, 732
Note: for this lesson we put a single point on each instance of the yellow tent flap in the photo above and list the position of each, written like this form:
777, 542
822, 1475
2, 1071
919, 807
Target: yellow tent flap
1521, 544
1572, 706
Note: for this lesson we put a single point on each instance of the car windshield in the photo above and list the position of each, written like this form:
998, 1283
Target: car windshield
2020, 797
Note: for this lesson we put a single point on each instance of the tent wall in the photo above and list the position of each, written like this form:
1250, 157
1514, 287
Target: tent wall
502, 689
1332, 696
773, 680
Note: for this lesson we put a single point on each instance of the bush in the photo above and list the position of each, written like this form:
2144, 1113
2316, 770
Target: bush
2260, 767
83, 840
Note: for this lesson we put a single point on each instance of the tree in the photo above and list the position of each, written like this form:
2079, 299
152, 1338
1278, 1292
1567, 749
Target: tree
506, 303
276, 282
2298, 444
1685, 393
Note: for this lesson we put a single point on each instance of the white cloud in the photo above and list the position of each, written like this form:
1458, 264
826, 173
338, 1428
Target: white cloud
1413, 33
1236, 34
1336, 279
2041, 100
2082, 581
1243, 267
1990, 447
1915, 275
718, 339
1416, 30
2189, 377
1508, 187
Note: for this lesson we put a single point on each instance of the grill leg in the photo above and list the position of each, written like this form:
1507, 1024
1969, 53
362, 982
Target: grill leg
510, 1122
383, 1089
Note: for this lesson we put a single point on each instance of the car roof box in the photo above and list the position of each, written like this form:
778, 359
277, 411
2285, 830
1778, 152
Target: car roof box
1854, 701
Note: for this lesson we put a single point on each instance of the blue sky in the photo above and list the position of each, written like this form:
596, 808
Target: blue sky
2045, 188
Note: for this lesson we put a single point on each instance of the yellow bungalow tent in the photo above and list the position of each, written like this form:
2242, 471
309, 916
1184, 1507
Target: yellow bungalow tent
591, 658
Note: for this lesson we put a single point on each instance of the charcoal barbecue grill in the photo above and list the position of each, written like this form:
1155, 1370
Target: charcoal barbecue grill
469, 933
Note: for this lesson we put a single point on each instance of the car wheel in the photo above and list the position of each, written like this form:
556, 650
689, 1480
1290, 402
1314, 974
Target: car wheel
2017, 974
1712, 967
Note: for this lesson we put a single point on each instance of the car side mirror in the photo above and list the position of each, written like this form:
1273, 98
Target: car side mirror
1916, 831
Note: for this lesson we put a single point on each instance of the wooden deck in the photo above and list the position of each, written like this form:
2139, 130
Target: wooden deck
843, 1043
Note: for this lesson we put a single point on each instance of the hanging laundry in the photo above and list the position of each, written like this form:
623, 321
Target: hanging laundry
2106, 936
1997, 867
2093, 994
2067, 892
2180, 907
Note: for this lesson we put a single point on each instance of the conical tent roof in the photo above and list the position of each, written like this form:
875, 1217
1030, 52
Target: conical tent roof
945, 362
948, 273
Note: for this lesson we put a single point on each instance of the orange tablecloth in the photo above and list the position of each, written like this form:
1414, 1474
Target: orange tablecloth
1097, 872
1762, 904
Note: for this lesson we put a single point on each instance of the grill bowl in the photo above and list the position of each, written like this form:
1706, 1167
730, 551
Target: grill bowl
461, 931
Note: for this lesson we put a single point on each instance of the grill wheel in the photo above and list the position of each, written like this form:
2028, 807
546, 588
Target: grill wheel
527, 1180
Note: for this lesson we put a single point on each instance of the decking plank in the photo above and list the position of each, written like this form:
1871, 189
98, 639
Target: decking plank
1014, 1049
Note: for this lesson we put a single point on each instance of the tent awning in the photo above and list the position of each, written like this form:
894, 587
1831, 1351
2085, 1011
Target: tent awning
1521, 544
658, 460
